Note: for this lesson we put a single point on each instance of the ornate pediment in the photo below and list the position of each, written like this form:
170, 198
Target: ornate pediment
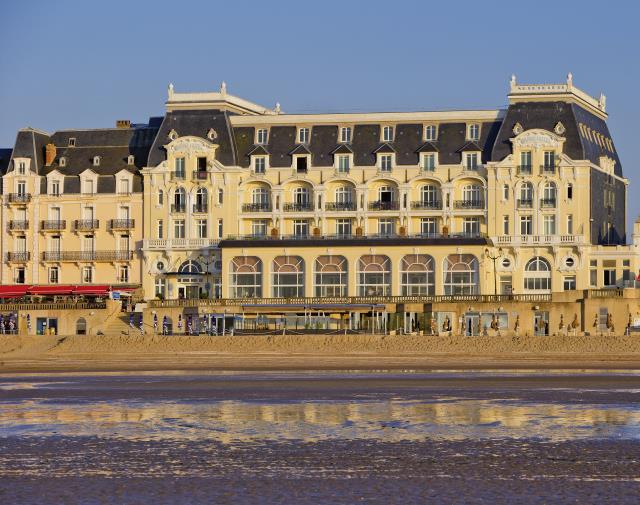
190, 145
538, 138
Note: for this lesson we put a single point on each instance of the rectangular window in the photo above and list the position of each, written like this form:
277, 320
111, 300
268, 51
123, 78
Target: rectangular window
505, 192
20, 277
549, 161
525, 162
160, 286
430, 132
387, 134
53, 275
259, 164
473, 132
202, 164
386, 227
125, 241
88, 187
386, 162
428, 226
570, 224
123, 274
569, 191
180, 168
549, 225
201, 228
21, 244
160, 197
160, 228
609, 277
471, 226
303, 135
124, 186
220, 196
343, 227
344, 163
88, 243
471, 161
259, 228
22, 188
505, 225
178, 228
22, 168
301, 228
569, 282
55, 188
262, 136
593, 278
345, 134
526, 227
220, 228
429, 162
87, 275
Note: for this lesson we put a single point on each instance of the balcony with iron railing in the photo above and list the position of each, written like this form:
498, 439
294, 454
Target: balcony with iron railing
19, 197
525, 169
53, 225
548, 169
18, 257
86, 224
18, 225
525, 203
178, 208
340, 206
199, 175
178, 175
298, 207
200, 208
87, 255
426, 205
392, 236
121, 224
256, 207
468, 204
547, 203
384, 205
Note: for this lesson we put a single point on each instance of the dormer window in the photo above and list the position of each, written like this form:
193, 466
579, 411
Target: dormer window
22, 168
343, 163
345, 134
303, 135
430, 132
259, 164
387, 134
471, 161
96, 161
386, 162
473, 132
72, 142
63, 162
262, 136
55, 188
88, 187
429, 162
131, 159
124, 188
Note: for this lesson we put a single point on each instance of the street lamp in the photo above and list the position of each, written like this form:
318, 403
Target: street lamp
207, 260
494, 258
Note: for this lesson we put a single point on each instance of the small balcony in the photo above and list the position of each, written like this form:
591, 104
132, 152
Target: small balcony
18, 225
382, 205
548, 203
53, 225
426, 205
340, 206
525, 169
121, 224
547, 169
468, 204
178, 175
86, 224
19, 198
18, 257
87, 256
298, 207
199, 175
200, 208
525, 203
178, 208
256, 207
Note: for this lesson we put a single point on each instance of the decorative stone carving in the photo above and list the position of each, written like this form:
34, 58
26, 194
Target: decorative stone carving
212, 134
190, 145
537, 139
559, 128
517, 129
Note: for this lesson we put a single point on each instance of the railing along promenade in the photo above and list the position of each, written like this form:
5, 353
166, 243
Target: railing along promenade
8, 307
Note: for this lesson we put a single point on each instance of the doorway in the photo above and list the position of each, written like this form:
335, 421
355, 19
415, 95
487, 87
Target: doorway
541, 324
472, 324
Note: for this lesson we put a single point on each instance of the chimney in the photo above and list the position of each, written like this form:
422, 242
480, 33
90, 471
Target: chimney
123, 123
49, 154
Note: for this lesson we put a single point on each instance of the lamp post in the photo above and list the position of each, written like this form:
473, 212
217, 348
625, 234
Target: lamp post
207, 260
495, 276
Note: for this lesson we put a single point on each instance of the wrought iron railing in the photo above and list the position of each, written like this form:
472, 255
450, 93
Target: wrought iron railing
256, 207
298, 207
53, 225
468, 204
18, 256
86, 224
426, 205
18, 225
383, 205
340, 206
19, 197
121, 224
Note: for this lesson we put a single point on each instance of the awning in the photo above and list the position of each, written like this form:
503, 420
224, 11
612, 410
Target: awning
13, 291
50, 290
91, 290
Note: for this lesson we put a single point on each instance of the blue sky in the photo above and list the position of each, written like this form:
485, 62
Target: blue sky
85, 64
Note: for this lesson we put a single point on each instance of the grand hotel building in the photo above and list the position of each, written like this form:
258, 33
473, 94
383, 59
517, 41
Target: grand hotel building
223, 198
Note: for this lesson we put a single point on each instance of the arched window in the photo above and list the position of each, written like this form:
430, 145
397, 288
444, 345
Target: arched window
81, 326
374, 275
526, 192
472, 193
429, 194
417, 274
288, 277
301, 196
461, 275
179, 200
386, 194
202, 198
189, 272
260, 196
331, 276
246, 277
344, 195
549, 192
537, 276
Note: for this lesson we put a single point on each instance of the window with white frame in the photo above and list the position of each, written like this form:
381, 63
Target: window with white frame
260, 197
343, 227
505, 192
259, 227
428, 226
331, 275
88, 187
246, 277
386, 226
526, 225
471, 161
549, 224
505, 225
344, 197
429, 195
549, 161
55, 187
160, 228
301, 227
461, 275
430, 132
569, 282
220, 196
201, 228
131, 159
473, 132
417, 275
288, 277
428, 162
72, 142
374, 275
570, 224
180, 171
386, 162
345, 134
22, 168
259, 164
179, 228
537, 275
96, 161
63, 161
54, 275
124, 188
262, 136
160, 286
525, 162
123, 274
87, 275
343, 163
471, 226
220, 228
472, 194
160, 200
387, 134
303, 135
569, 191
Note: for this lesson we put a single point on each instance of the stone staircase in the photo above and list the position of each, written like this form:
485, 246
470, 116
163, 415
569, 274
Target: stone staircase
119, 325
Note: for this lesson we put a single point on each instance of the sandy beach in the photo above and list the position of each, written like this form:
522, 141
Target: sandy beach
295, 352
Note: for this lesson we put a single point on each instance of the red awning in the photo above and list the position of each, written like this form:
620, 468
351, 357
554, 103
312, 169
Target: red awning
50, 290
13, 291
91, 290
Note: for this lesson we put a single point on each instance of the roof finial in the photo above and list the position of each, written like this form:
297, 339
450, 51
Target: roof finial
170, 90
277, 109
569, 80
223, 88
602, 102
513, 81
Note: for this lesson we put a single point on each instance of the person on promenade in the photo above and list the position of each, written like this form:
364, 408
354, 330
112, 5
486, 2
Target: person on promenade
141, 325
165, 325
155, 324
131, 322
179, 323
